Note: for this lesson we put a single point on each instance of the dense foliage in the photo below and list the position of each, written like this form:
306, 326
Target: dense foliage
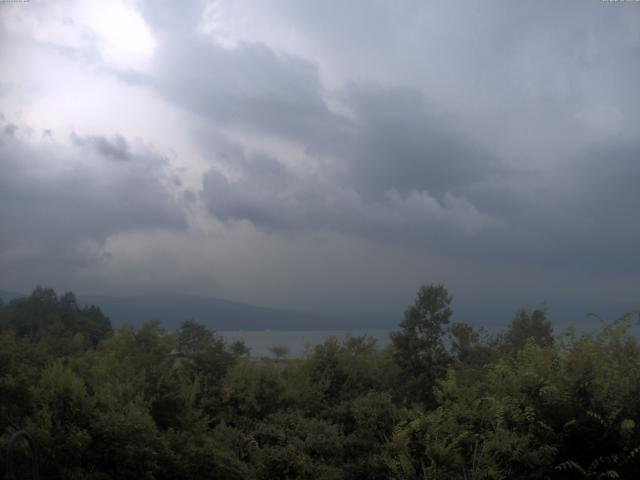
442, 401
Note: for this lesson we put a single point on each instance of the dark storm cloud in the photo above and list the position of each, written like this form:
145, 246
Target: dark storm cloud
600, 197
579, 214
10, 129
350, 150
61, 202
403, 143
115, 148
405, 170
399, 165
273, 196
498, 132
449, 195
250, 86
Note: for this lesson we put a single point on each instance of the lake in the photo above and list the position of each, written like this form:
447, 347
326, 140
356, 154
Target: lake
296, 341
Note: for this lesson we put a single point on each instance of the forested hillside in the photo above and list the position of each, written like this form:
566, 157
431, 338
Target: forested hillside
442, 401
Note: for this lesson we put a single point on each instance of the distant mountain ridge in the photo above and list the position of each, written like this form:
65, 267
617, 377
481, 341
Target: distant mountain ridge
224, 315
218, 314
7, 296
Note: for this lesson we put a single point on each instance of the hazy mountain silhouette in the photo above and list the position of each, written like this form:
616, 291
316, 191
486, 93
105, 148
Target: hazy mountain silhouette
219, 314
6, 296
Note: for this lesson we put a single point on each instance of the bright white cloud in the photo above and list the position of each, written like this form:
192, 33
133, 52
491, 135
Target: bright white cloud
125, 40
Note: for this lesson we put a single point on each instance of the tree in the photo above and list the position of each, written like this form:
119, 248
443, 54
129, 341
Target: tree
469, 346
463, 339
420, 351
280, 352
57, 321
156, 405
207, 360
527, 326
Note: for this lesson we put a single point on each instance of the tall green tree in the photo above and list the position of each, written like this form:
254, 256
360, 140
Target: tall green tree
419, 347
526, 326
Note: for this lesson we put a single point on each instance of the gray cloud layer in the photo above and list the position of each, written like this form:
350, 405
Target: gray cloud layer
404, 171
501, 132
60, 201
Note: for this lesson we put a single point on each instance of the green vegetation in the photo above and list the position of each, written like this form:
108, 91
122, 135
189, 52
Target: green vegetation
442, 401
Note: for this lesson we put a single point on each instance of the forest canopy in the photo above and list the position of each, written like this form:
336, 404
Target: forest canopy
443, 400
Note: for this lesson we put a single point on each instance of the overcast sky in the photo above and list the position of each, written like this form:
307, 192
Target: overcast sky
321, 155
